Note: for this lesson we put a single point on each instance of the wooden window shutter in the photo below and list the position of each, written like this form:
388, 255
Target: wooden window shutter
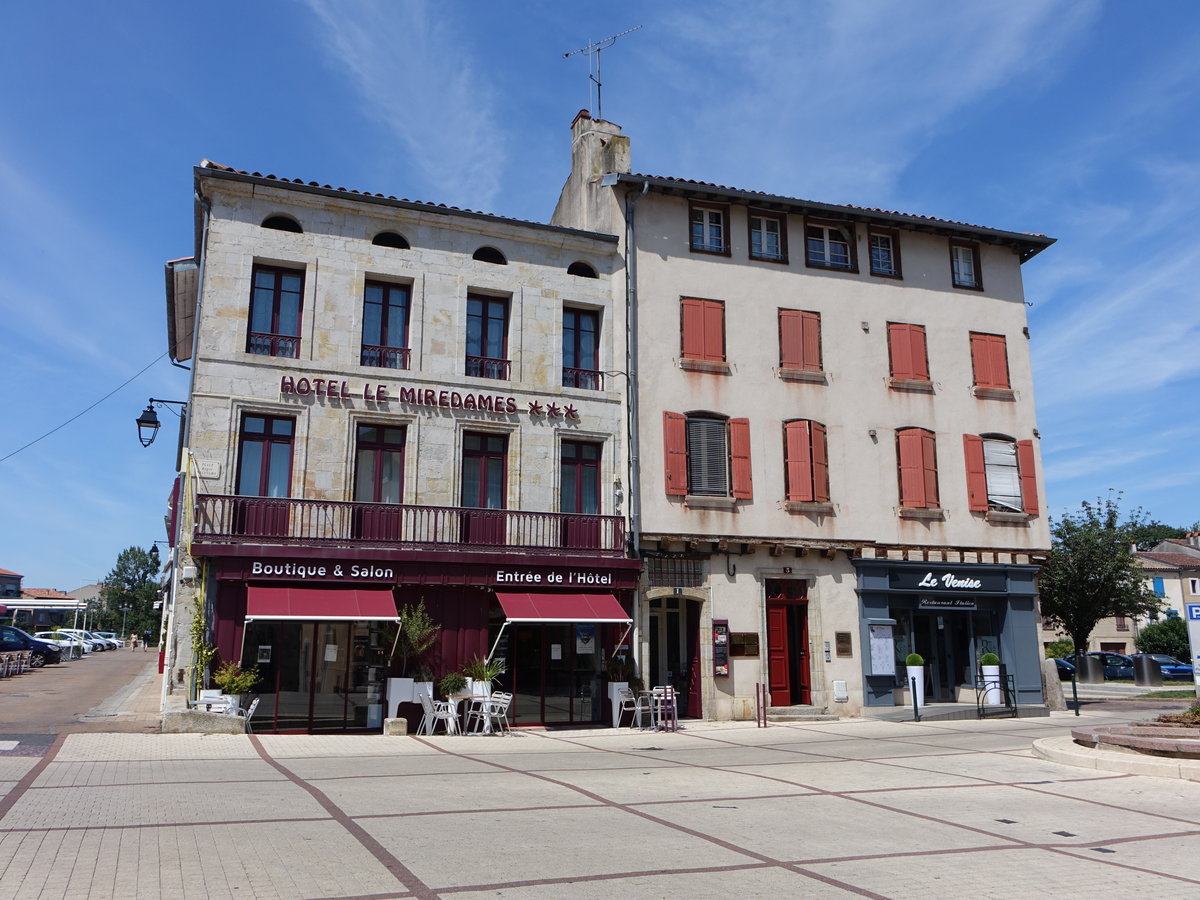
714, 330
977, 495
1025, 466
820, 463
906, 349
739, 451
912, 479
799, 339
675, 453
929, 467
791, 339
900, 350
981, 360
918, 354
798, 457
998, 352
693, 328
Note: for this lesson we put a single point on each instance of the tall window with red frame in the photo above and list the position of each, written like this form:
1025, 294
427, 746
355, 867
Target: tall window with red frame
579, 477
906, 352
265, 456
703, 329
379, 464
385, 326
484, 464
487, 336
916, 449
276, 298
581, 337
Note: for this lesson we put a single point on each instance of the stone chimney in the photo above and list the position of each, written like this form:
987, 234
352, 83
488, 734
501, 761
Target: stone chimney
597, 147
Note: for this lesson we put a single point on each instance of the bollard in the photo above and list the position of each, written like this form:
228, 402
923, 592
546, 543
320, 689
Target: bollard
912, 692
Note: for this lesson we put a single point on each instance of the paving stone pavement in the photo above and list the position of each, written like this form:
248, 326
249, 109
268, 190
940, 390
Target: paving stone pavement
832, 809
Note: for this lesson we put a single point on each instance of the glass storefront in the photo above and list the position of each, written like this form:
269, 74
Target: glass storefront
317, 677
554, 672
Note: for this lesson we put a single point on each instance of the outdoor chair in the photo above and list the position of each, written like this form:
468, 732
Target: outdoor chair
491, 716
635, 704
248, 714
665, 712
436, 711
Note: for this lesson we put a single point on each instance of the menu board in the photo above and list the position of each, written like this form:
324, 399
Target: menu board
883, 650
721, 648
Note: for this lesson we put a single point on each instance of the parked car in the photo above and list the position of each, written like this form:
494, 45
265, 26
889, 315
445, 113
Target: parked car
42, 653
1172, 668
65, 641
1116, 665
109, 643
1065, 669
112, 636
97, 643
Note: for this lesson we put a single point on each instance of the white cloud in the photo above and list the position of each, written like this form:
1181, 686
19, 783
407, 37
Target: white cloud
413, 75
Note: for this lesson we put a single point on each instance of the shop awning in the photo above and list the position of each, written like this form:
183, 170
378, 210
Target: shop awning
315, 604
562, 608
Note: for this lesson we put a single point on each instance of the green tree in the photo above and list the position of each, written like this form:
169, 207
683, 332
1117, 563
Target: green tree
133, 582
1091, 573
1147, 534
1059, 649
1167, 636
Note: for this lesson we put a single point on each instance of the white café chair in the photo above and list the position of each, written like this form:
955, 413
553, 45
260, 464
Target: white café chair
436, 711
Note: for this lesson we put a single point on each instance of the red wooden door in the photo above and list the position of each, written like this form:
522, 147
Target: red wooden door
778, 677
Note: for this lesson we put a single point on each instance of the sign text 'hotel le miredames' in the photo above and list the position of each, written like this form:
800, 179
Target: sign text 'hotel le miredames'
337, 389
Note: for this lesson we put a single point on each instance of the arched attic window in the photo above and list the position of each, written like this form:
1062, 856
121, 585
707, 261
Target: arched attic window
391, 239
490, 255
582, 269
283, 223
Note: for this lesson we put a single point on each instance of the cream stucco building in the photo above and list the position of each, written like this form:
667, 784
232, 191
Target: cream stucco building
834, 442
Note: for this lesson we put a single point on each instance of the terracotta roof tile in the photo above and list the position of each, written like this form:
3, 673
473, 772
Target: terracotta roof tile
44, 593
1181, 560
6, 572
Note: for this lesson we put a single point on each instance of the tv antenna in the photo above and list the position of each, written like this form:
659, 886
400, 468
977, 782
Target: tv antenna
593, 53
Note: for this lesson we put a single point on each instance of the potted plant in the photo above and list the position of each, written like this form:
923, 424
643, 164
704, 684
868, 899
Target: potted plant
416, 633
482, 672
452, 683
620, 672
235, 681
914, 665
989, 665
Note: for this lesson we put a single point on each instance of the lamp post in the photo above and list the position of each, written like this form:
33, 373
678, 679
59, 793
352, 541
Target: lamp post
124, 615
148, 423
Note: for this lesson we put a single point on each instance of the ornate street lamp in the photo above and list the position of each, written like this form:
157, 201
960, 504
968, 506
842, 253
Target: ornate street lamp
148, 423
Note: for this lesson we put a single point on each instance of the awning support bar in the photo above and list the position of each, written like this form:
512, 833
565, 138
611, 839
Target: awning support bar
492, 652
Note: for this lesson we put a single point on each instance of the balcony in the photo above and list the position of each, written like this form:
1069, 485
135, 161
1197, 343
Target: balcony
486, 367
264, 344
384, 357
333, 523
588, 379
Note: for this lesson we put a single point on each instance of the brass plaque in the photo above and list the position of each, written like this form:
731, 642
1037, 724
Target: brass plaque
845, 646
743, 643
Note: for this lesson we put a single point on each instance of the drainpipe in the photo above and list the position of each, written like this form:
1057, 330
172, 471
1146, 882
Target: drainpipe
631, 366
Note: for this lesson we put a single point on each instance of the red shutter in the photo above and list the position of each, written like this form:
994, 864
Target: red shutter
1028, 474
791, 339
920, 359
929, 467
714, 330
799, 461
900, 350
981, 360
812, 341
999, 359
675, 453
977, 496
912, 479
739, 451
693, 328
820, 463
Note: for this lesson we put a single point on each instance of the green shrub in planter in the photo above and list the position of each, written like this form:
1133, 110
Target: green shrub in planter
233, 679
989, 659
914, 659
452, 683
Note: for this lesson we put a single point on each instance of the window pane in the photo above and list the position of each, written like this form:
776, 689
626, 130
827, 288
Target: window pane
281, 469
372, 317
1003, 480
470, 483
262, 309
250, 474
707, 456
364, 476
391, 476
495, 483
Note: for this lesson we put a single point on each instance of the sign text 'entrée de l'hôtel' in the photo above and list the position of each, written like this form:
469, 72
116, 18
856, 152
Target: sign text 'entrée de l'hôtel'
337, 389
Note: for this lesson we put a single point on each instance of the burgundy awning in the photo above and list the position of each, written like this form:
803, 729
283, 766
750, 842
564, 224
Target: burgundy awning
562, 608
317, 604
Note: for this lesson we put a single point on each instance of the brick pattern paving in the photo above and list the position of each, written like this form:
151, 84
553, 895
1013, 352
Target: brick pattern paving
837, 809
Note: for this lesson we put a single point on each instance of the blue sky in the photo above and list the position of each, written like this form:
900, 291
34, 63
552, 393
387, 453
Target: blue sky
1078, 120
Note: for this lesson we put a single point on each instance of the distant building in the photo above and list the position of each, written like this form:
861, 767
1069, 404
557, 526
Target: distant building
38, 609
10, 585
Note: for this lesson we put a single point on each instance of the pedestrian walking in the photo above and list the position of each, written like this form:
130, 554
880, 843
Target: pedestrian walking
133, 639
146, 635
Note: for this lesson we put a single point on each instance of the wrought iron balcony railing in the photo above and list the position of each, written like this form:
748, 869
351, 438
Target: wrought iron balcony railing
384, 357
222, 518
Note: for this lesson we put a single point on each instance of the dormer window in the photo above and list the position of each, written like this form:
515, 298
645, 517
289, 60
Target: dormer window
830, 245
709, 228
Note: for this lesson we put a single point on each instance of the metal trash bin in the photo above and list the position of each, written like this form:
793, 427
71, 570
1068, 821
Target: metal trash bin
1089, 669
1146, 672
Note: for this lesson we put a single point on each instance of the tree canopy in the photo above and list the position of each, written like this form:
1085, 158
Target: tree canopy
1169, 636
1092, 573
133, 583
